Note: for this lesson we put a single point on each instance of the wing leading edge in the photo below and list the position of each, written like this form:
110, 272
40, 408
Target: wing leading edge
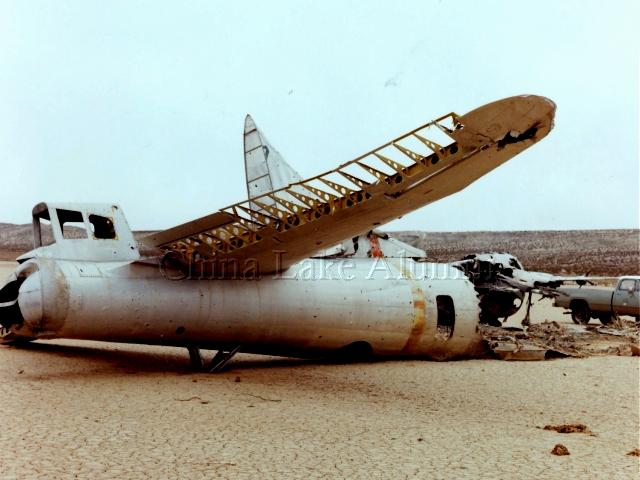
279, 228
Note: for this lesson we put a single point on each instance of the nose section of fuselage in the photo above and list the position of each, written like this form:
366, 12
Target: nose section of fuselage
506, 121
21, 298
33, 302
30, 299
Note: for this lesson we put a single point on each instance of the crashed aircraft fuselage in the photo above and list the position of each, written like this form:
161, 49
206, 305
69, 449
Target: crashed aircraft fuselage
98, 287
384, 306
367, 304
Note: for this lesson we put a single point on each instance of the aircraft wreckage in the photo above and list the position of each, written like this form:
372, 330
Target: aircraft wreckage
261, 276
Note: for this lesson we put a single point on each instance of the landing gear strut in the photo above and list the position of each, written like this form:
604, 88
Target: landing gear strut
216, 364
526, 321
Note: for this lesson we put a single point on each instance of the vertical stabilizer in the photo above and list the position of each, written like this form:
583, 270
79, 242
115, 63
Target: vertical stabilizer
265, 168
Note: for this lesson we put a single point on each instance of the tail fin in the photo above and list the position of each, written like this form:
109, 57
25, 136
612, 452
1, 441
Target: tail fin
265, 168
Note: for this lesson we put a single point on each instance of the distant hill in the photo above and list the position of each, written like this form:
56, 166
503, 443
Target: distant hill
15, 236
600, 252
17, 239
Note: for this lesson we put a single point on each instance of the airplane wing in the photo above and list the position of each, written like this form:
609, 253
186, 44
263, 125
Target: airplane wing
274, 230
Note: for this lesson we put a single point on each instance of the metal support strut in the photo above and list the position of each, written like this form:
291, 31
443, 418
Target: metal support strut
527, 318
195, 357
217, 363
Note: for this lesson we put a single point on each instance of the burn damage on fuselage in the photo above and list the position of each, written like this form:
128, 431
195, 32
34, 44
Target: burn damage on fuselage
498, 299
515, 137
488, 272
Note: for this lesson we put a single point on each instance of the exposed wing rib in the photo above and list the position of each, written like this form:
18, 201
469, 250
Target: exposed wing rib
283, 226
185, 230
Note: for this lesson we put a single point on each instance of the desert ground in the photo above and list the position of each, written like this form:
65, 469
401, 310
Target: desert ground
76, 409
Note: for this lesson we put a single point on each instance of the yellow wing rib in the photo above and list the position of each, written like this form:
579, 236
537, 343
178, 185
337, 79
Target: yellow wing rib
435, 160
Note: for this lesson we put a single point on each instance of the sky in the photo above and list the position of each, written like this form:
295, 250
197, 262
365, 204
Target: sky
143, 103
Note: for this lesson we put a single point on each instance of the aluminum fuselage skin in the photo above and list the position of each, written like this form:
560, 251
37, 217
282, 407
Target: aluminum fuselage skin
310, 309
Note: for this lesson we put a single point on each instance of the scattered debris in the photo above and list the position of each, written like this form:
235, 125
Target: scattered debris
560, 450
263, 398
203, 402
552, 340
517, 351
634, 453
237, 380
570, 428
618, 332
20, 372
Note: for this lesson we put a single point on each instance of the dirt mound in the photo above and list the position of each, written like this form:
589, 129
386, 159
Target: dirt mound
560, 450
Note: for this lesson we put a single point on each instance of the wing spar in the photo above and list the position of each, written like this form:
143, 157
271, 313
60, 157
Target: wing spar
281, 227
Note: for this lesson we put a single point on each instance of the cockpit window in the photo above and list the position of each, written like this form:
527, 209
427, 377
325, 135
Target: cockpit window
46, 233
71, 224
102, 227
515, 264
